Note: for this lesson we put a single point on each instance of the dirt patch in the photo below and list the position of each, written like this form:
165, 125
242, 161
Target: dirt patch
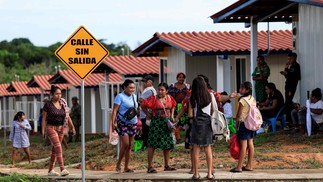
273, 150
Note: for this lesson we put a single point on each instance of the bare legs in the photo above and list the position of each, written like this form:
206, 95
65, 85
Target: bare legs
246, 144
209, 160
125, 151
28, 154
14, 154
151, 156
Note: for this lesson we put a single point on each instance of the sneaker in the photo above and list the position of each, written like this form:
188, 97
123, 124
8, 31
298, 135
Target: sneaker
53, 173
65, 172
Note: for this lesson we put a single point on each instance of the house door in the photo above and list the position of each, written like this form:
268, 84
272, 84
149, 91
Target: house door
240, 72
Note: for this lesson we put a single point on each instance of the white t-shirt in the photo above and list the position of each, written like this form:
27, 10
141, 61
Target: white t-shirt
206, 110
317, 117
149, 91
227, 110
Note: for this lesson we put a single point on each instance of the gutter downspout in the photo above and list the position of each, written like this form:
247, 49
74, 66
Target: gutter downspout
268, 40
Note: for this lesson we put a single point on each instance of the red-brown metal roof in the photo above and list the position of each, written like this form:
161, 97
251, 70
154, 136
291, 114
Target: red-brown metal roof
41, 81
208, 43
4, 91
21, 88
130, 65
67, 76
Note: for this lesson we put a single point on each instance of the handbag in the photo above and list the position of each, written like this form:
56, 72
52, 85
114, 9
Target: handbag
113, 137
234, 147
131, 112
170, 124
219, 123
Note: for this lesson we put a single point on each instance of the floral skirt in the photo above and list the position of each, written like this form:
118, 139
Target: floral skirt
159, 135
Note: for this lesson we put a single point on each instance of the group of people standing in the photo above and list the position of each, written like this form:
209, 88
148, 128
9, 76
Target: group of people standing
172, 104
271, 101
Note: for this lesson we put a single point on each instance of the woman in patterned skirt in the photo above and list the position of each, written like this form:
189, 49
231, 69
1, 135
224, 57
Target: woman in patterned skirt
160, 136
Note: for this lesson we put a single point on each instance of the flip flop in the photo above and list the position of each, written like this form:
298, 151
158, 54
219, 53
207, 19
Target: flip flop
129, 171
246, 169
234, 170
196, 177
210, 177
151, 170
168, 168
118, 168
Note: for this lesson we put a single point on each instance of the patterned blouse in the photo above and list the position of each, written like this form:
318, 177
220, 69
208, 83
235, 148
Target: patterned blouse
53, 114
19, 135
178, 94
156, 106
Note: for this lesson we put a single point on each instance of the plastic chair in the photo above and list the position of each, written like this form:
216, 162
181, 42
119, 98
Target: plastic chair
280, 116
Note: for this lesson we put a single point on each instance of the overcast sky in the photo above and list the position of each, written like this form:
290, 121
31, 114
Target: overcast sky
46, 22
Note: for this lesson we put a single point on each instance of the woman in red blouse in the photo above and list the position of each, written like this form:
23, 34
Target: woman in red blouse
160, 136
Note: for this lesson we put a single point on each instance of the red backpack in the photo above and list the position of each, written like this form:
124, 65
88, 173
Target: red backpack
234, 147
254, 119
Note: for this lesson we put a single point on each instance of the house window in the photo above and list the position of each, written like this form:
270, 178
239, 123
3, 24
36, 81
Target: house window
240, 71
163, 70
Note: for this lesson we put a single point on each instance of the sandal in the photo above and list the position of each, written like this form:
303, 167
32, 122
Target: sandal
168, 168
210, 177
196, 177
151, 170
246, 169
234, 170
128, 171
118, 168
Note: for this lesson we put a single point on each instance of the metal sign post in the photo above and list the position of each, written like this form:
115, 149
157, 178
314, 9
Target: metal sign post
83, 131
82, 53
4, 139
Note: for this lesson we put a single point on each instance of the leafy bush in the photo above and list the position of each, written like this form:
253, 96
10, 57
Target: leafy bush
21, 178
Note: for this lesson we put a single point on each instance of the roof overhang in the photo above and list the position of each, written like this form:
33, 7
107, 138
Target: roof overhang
57, 78
262, 11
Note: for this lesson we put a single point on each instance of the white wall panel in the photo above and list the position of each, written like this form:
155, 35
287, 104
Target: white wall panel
310, 52
175, 64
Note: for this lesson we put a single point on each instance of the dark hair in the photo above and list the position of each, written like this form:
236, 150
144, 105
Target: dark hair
271, 86
163, 84
53, 89
225, 93
261, 57
292, 54
248, 86
200, 94
317, 93
126, 83
206, 79
179, 74
18, 115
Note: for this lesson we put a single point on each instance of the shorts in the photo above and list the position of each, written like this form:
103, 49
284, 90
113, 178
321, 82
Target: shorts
125, 129
243, 133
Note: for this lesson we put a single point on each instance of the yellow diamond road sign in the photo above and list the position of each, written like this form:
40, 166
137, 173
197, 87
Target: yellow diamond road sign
82, 53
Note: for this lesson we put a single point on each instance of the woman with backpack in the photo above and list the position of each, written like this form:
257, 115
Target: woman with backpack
200, 108
244, 135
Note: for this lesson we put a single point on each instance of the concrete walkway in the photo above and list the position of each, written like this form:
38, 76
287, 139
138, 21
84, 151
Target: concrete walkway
179, 175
